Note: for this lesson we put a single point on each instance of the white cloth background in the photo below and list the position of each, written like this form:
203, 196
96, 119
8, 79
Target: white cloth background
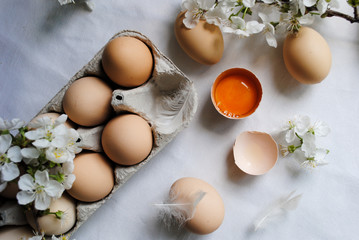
42, 45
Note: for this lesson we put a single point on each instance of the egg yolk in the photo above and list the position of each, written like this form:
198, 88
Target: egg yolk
235, 95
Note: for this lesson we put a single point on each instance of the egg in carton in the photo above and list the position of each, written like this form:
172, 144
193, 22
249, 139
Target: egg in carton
167, 101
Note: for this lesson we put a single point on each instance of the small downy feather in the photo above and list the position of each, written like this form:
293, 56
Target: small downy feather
175, 215
174, 108
277, 209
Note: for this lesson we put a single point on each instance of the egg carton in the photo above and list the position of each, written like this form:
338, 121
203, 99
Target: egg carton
167, 101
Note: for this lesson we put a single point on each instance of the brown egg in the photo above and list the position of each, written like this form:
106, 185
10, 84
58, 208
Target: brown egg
87, 101
307, 56
53, 116
127, 139
127, 61
209, 212
94, 177
15, 232
203, 43
51, 225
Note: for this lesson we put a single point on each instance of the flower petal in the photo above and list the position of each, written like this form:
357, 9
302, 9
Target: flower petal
302, 124
70, 179
320, 154
271, 39
321, 129
253, 27
14, 153
16, 123
59, 141
42, 177
68, 167
42, 201
309, 3
5, 142
54, 189
26, 183
30, 152
25, 197
35, 134
9, 171
290, 136
41, 143
309, 145
60, 120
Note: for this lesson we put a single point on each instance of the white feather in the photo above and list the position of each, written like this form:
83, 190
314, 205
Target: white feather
276, 210
175, 108
174, 214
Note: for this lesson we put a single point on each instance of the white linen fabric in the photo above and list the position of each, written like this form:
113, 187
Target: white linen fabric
43, 44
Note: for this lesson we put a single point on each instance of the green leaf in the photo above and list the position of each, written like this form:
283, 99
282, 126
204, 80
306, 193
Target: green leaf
353, 3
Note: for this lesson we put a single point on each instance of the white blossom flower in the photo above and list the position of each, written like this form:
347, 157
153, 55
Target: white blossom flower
299, 125
49, 135
217, 15
40, 189
269, 30
323, 5
9, 156
195, 9
64, 2
300, 5
320, 129
30, 155
306, 19
69, 178
12, 125
59, 155
59, 142
317, 159
249, 3
284, 150
36, 238
242, 28
309, 146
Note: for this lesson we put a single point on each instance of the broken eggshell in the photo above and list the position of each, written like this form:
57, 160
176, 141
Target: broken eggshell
167, 101
255, 153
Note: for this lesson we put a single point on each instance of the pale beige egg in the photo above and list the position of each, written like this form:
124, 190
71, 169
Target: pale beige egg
94, 177
255, 153
127, 139
203, 43
209, 212
127, 61
307, 56
15, 232
50, 224
87, 101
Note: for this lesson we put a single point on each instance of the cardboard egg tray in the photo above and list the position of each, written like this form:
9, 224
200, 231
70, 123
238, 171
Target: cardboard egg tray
168, 101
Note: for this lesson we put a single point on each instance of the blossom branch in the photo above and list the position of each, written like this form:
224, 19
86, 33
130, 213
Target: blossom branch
332, 13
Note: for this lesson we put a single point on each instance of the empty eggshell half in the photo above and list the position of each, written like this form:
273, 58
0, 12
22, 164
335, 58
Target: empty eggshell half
255, 153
